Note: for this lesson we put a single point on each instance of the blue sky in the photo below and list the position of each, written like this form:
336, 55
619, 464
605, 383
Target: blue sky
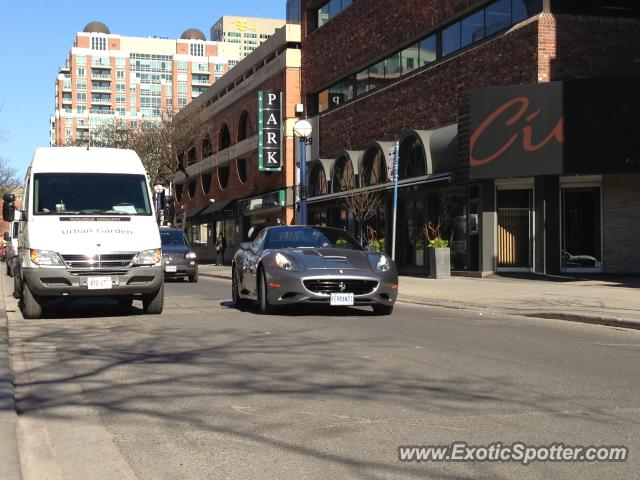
36, 36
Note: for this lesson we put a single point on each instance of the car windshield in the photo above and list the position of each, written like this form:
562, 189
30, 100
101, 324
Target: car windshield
90, 193
309, 237
173, 237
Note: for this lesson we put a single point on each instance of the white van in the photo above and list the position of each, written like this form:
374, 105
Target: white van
88, 228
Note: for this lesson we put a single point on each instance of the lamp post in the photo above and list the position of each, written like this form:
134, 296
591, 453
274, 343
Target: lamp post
158, 189
303, 130
396, 161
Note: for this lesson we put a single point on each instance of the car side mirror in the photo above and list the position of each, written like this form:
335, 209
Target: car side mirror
246, 246
8, 207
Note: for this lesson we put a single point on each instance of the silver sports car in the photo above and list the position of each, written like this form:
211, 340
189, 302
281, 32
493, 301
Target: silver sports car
292, 264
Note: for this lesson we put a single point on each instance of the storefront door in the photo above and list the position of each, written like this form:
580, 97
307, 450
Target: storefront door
515, 229
581, 229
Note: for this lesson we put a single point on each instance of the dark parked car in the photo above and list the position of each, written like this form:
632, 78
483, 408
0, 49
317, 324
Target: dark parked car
314, 265
177, 257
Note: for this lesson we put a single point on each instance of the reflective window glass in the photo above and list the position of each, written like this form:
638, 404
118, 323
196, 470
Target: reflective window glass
472, 28
376, 75
393, 67
334, 8
451, 39
323, 15
498, 16
362, 82
427, 50
409, 58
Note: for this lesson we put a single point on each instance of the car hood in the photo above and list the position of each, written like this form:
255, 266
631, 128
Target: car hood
175, 249
330, 258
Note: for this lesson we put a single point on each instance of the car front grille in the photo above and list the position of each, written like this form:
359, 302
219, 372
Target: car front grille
91, 262
341, 285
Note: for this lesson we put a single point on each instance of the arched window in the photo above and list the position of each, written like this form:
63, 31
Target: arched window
412, 161
192, 188
317, 181
244, 126
206, 182
180, 161
343, 177
241, 165
207, 148
224, 138
374, 167
223, 176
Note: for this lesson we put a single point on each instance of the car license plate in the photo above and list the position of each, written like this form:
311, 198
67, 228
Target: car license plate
170, 268
342, 299
96, 283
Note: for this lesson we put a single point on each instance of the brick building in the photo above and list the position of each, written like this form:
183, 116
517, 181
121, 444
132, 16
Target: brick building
228, 188
514, 120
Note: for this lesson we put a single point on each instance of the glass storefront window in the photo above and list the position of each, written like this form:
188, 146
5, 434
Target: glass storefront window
453, 219
581, 228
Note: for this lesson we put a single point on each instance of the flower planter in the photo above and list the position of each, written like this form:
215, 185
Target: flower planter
440, 262
420, 258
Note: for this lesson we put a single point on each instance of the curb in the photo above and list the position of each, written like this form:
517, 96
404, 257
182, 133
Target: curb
9, 456
609, 321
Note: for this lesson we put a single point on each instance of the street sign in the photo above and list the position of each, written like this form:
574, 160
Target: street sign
269, 131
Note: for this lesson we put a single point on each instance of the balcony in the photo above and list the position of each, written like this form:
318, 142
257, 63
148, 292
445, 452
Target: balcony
82, 127
101, 89
100, 76
100, 111
200, 82
104, 101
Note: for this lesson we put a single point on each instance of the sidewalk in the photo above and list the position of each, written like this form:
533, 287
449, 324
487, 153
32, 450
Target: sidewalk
605, 300
9, 457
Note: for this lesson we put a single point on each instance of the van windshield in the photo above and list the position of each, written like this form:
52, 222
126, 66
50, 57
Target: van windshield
90, 194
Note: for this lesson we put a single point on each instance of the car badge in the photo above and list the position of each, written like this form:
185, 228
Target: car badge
342, 286
341, 271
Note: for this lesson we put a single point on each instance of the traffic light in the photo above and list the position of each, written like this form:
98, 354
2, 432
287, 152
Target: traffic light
169, 208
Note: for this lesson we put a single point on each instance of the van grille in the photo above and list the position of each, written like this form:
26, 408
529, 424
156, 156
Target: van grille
93, 262
329, 286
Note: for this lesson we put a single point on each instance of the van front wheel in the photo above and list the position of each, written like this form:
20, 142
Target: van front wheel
31, 306
153, 303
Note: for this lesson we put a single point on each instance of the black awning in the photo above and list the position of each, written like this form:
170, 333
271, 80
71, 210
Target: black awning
216, 207
192, 212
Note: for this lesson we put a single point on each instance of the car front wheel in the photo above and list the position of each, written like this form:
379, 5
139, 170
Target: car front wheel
380, 309
263, 298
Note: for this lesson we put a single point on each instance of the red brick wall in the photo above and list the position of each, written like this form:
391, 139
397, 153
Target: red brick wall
432, 97
579, 46
365, 32
257, 182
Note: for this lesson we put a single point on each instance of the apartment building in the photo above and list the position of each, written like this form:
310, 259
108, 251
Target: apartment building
246, 33
109, 76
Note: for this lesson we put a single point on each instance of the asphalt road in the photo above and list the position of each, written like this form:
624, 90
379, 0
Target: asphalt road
205, 391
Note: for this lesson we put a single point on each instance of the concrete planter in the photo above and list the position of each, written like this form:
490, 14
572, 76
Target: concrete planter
439, 262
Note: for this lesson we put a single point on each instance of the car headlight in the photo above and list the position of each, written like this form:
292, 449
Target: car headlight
46, 258
383, 264
191, 255
149, 257
284, 263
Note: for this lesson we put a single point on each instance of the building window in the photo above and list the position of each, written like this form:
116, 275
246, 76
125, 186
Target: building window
120, 110
470, 29
182, 89
121, 99
80, 72
81, 97
120, 74
81, 85
81, 60
121, 87
132, 100
98, 43
196, 49
182, 66
330, 9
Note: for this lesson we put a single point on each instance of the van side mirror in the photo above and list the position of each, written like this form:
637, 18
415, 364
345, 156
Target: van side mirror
8, 207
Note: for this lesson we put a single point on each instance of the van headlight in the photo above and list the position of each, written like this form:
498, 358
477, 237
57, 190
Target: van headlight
149, 257
46, 258
383, 264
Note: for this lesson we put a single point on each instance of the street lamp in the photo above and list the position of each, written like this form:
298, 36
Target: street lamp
303, 129
158, 189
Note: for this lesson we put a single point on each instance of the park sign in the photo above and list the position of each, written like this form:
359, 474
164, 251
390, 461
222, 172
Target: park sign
269, 131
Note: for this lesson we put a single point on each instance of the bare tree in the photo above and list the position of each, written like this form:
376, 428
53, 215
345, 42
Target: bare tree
363, 204
9, 180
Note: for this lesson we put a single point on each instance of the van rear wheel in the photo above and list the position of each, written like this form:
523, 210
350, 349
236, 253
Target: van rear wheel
31, 306
153, 303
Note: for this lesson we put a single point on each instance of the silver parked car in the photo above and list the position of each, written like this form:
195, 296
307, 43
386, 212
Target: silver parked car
314, 265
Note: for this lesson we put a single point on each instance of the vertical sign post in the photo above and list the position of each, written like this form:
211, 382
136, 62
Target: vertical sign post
396, 161
269, 131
